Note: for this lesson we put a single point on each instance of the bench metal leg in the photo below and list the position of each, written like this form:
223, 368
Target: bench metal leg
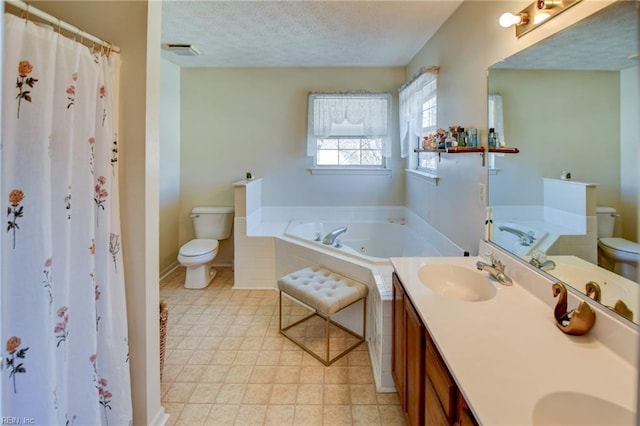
327, 360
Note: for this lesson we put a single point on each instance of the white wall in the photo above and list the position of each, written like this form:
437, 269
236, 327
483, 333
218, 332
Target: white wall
629, 158
560, 120
464, 47
239, 119
169, 179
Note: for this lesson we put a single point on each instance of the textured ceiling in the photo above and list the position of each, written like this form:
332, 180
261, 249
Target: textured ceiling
603, 41
304, 33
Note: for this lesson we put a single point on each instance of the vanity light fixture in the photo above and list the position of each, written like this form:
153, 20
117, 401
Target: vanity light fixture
535, 14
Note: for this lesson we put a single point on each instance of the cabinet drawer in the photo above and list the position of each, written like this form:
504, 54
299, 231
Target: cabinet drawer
441, 380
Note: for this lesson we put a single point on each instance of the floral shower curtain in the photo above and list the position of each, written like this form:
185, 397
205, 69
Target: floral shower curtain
64, 332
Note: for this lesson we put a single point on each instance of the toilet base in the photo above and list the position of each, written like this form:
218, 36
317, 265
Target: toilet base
199, 277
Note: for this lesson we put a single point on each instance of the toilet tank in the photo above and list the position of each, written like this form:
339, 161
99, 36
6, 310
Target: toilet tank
606, 220
212, 222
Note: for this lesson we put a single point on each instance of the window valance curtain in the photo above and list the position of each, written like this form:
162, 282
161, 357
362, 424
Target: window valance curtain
412, 96
349, 114
496, 119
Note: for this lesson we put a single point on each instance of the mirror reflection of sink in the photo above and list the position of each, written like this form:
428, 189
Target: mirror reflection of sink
575, 408
457, 282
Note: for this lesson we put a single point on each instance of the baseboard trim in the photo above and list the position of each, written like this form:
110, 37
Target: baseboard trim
168, 270
161, 418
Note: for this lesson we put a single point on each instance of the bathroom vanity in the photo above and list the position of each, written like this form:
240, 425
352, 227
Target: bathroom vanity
468, 350
428, 394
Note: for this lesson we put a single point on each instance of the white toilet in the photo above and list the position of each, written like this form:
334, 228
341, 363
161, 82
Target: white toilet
210, 225
615, 254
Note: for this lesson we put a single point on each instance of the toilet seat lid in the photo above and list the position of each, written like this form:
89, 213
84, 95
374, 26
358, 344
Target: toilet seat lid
621, 244
198, 247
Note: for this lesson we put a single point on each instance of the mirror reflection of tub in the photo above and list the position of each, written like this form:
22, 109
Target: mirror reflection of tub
519, 238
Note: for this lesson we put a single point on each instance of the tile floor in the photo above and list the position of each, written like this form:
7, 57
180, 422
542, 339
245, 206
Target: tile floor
226, 363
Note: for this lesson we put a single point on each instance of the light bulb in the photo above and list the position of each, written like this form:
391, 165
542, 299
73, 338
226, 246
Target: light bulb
508, 19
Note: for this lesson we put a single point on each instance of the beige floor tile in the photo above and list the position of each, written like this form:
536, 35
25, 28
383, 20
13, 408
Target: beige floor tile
284, 394
227, 363
360, 375
200, 356
336, 394
247, 358
268, 358
365, 415
336, 415
222, 415
173, 410
179, 392
215, 373
223, 357
287, 374
312, 374
279, 415
308, 415
257, 393
191, 374
263, 374
230, 393
391, 415
363, 394
194, 414
205, 393
336, 375
309, 394
251, 415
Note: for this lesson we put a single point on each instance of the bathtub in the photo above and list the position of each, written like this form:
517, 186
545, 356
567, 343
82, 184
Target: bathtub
371, 241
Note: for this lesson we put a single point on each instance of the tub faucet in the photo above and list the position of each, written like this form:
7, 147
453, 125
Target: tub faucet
526, 238
539, 260
330, 238
495, 269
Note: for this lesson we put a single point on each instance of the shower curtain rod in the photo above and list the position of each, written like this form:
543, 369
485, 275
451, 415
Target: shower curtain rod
30, 10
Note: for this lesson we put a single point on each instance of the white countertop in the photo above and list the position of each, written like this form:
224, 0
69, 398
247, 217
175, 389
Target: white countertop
506, 354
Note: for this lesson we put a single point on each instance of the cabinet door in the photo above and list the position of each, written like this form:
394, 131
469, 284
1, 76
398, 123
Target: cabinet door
433, 414
415, 365
398, 371
465, 417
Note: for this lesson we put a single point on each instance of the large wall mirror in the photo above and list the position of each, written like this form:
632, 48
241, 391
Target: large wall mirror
570, 105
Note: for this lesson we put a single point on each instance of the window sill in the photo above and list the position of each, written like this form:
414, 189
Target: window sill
423, 176
347, 171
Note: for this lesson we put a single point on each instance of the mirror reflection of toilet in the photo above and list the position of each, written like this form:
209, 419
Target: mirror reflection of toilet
615, 254
210, 225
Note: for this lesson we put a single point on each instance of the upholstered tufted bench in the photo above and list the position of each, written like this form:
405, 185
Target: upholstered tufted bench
325, 293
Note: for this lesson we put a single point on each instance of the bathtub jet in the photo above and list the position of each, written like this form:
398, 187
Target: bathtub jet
330, 238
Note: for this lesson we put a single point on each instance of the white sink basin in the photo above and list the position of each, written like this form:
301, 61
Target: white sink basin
457, 282
575, 408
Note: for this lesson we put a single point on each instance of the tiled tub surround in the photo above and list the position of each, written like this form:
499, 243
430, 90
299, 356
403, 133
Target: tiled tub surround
226, 363
263, 253
509, 359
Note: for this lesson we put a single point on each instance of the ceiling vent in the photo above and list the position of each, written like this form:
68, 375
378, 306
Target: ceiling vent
181, 49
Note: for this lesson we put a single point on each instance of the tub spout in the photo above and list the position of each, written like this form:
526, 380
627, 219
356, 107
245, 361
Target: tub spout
330, 238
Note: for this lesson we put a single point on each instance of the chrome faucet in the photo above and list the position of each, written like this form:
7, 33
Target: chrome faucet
539, 260
495, 269
526, 238
330, 238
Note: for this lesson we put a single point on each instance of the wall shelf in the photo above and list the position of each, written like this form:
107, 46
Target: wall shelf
505, 150
454, 150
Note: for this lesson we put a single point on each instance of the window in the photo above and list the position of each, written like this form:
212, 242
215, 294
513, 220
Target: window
418, 117
349, 130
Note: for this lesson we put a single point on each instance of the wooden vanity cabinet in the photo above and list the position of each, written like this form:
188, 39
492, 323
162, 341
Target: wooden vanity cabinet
428, 394
408, 353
